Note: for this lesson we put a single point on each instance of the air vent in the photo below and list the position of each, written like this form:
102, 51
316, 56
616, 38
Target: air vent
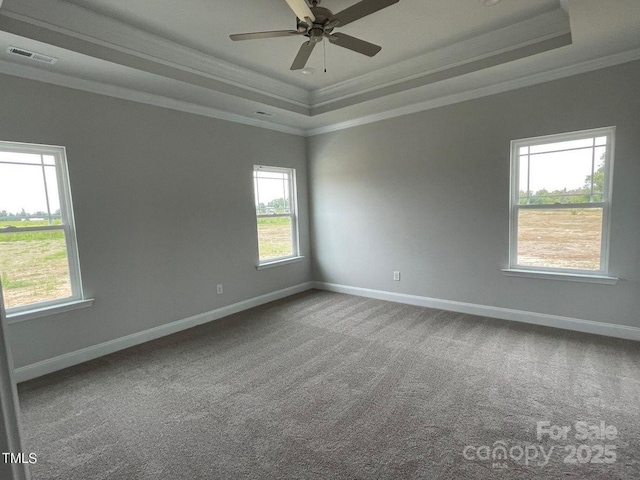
32, 55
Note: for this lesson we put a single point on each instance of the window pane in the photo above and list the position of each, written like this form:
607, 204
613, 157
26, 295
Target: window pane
550, 147
559, 177
52, 194
523, 169
49, 159
33, 267
27, 158
275, 237
272, 193
560, 238
598, 177
22, 191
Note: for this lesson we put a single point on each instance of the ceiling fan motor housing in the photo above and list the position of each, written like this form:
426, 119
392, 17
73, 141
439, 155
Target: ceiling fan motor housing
315, 34
316, 31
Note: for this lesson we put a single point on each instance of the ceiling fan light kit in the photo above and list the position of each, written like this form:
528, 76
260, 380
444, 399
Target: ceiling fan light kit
317, 23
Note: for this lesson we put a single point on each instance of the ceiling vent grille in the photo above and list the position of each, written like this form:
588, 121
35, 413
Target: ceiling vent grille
32, 55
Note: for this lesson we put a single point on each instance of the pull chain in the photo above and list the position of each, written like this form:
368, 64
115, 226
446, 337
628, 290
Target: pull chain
325, 56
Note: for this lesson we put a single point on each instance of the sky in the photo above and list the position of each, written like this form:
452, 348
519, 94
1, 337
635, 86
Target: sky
555, 171
272, 186
558, 170
23, 186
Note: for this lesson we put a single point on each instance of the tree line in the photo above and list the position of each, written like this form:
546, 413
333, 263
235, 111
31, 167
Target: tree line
276, 206
577, 195
23, 215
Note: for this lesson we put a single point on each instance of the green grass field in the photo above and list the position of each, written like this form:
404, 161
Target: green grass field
33, 265
274, 237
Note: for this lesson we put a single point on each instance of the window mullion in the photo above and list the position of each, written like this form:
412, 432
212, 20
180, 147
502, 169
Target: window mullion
560, 206
593, 167
46, 190
40, 228
528, 177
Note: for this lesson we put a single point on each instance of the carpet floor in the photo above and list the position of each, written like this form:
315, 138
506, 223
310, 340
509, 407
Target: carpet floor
329, 386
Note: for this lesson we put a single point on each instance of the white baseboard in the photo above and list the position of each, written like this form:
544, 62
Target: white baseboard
566, 323
79, 356
89, 353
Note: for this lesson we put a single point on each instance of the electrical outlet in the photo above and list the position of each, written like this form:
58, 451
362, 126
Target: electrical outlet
396, 276
219, 289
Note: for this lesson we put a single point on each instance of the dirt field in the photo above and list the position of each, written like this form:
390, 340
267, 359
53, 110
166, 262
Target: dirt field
560, 238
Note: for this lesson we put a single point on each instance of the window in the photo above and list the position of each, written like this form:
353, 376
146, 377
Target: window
275, 198
38, 254
560, 197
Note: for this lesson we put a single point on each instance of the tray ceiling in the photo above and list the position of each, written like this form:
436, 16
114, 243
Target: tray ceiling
405, 30
178, 54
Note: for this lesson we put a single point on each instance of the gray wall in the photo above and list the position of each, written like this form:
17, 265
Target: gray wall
164, 204
428, 194
164, 211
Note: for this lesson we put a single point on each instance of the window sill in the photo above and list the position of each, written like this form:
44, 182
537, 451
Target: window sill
277, 263
569, 277
46, 311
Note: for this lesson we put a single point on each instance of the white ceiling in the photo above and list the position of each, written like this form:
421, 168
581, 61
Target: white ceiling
435, 52
404, 30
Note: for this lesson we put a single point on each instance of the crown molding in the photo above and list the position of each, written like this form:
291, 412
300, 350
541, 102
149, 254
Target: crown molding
535, 30
83, 24
530, 80
125, 93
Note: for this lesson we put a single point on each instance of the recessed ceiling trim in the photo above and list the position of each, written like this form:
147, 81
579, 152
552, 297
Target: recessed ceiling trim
124, 93
527, 81
535, 30
78, 22
140, 63
101, 88
455, 71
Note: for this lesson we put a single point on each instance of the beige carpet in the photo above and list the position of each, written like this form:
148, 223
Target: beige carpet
330, 386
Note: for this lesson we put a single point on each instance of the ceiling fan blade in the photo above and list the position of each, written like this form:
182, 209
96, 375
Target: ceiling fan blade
355, 44
303, 55
361, 9
301, 9
257, 35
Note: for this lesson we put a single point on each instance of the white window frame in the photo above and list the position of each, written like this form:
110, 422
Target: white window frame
591, 276
67, 225
293, 215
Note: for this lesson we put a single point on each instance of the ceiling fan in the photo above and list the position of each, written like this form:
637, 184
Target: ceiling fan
318, 23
